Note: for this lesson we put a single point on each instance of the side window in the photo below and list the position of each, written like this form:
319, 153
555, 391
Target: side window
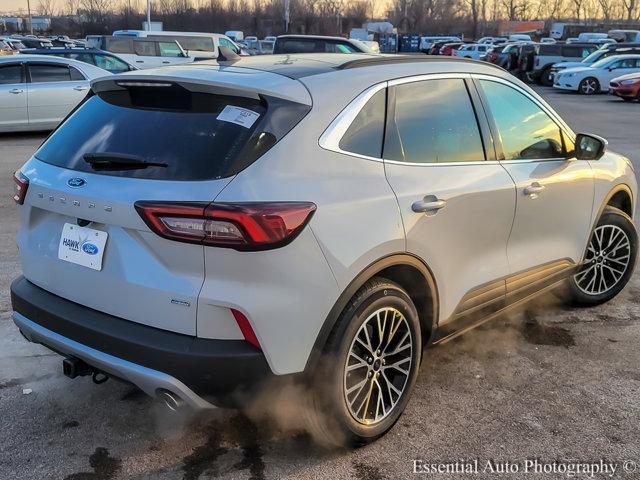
76, 74
144, 48
111, 64
49, 73
11, 74
169, 49
435, 123
119, 45
526, 131
364, 135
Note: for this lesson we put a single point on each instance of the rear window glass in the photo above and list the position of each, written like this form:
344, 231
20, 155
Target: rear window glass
549, 50
364, 135
198, 136
299, 46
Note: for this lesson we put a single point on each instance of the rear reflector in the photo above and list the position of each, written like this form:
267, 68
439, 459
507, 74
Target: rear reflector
245, 328
242, 226
21, 183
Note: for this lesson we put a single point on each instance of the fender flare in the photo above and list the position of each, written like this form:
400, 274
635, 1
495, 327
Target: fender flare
369, 272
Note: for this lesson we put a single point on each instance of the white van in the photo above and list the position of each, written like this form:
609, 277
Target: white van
197, 45
142, 52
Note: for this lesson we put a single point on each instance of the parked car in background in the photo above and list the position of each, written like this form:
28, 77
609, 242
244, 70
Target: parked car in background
373, 45
265, 47
105, 60
37, 92
627, 87
149, 259
318, 44
5, 48
546, 56
505, 56
492, 40
15, 44
520, 37
625, 36
602, 52
595, 78
474, 51
197, 45
143, 52
548, 40
35, 42
427, 42
448, 48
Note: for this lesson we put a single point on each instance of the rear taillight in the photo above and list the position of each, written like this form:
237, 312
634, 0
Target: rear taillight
242, 226
21, 183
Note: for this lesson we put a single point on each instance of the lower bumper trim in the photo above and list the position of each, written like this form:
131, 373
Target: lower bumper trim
150, 381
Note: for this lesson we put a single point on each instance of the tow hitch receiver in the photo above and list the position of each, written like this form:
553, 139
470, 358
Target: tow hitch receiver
73, 367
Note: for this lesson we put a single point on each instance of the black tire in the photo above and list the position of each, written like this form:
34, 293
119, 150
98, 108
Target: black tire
545, 78
617, 222
329, 417
627, 99
586, 84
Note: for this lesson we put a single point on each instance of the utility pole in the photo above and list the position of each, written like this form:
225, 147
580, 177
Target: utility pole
30, 18
286, 16
148, 15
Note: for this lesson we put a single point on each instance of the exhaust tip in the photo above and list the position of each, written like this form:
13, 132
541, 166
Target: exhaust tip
172, 401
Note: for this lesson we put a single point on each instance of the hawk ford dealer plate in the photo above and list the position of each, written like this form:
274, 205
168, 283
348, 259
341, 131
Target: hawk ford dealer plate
83, 246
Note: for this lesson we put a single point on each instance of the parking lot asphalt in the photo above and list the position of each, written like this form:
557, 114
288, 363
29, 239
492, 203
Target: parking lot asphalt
551, 383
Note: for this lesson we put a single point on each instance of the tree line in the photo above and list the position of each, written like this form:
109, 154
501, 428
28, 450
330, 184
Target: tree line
266, 17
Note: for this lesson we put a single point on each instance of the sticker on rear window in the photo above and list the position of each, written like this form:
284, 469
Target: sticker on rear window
238, 115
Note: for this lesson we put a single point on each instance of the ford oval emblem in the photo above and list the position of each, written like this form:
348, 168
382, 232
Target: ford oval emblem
76, 182
89, 248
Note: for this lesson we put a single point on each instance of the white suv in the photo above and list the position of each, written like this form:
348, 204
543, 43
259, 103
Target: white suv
199, 229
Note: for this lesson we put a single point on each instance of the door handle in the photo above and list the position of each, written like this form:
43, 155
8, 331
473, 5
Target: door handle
80, 88
139, 61
165, 61
534, 189
16, 91
429, 204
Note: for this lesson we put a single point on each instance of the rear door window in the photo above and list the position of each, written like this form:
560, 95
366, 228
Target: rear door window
144, 48
43, 73
169, 49
435, 122
120, 44
76, 74
11, 74
197, 136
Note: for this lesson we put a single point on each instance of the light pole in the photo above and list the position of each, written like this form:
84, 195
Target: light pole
286, 16
148, 15
30, 19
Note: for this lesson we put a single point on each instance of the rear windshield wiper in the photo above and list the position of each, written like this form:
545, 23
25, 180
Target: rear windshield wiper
118, 161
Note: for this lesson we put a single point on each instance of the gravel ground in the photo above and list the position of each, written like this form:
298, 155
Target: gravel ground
549, 383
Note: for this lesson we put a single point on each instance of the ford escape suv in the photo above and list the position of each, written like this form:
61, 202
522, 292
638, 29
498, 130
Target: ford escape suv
198, 230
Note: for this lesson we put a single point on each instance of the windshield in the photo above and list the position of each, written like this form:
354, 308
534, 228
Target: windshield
593, 57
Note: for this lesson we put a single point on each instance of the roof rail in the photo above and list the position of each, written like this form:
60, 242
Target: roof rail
391, 59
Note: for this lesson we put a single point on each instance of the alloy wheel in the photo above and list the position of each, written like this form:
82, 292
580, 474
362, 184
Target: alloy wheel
378, 365
588, 86
607, 259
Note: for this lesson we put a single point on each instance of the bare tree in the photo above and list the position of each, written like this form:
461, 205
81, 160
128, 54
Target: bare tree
46, 8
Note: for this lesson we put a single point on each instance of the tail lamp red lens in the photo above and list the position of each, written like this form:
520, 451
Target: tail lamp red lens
242, 226
245, 327
21, 183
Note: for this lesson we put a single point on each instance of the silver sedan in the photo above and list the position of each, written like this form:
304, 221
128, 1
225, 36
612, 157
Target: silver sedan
38, 91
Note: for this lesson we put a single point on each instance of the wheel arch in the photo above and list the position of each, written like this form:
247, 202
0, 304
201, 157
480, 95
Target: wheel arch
620, 197
410, 273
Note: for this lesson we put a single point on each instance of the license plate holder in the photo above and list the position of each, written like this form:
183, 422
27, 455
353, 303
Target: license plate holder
82, 246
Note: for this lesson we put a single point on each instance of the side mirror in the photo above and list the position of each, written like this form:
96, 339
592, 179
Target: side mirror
590, 147
225, 54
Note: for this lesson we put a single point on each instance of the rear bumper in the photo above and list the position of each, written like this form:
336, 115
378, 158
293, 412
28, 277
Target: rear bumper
150, 358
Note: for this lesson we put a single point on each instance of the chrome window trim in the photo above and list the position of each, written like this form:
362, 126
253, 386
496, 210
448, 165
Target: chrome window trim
330, 138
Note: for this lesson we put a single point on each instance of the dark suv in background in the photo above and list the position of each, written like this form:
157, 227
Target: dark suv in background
546, 55
318, 44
